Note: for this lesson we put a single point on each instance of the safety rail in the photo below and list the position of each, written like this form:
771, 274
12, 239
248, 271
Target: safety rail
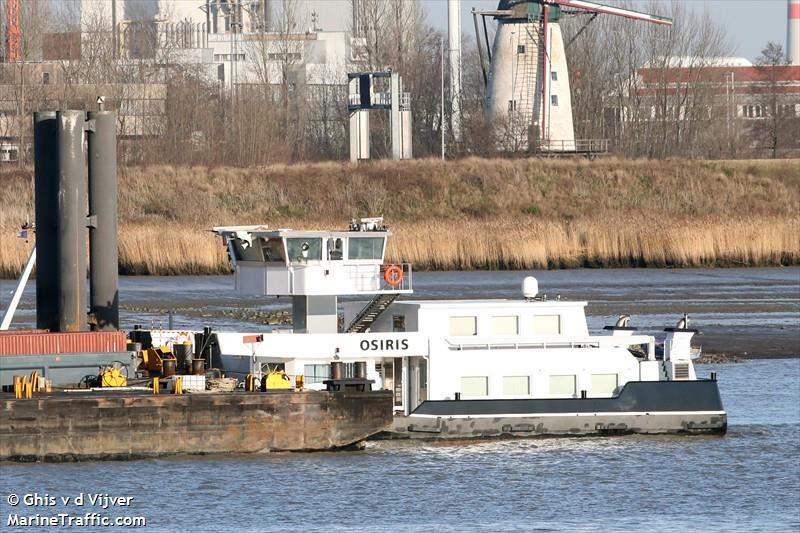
549, 343
365, 280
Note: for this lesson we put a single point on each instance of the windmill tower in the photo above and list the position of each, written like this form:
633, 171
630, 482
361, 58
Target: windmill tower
528, 95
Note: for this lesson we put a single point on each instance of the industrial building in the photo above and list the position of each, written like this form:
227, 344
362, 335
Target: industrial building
752, 101
228, 44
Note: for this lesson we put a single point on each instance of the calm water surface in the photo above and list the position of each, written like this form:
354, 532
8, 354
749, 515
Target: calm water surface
748, 480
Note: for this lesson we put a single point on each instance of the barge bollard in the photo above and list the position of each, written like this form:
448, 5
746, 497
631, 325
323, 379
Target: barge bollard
198, 367
178, 385
337, 370
249, 383
713, 376
156, 384
583, 394
169, 367
361, 369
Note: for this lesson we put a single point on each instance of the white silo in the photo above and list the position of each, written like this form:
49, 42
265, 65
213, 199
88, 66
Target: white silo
793, 32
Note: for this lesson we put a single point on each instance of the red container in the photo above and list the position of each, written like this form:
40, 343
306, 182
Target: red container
22, 331
36, 343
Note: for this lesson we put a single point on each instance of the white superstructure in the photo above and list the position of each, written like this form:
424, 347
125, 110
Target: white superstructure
424, 350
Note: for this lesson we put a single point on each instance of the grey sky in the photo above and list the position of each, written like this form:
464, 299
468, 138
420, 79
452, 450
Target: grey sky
749, 24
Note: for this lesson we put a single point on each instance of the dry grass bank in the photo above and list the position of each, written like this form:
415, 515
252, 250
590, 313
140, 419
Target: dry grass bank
472, 213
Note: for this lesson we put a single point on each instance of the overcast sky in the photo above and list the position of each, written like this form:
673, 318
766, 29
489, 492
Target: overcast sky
749, 24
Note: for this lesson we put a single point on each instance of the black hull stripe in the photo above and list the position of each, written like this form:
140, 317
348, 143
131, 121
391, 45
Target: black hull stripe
635, 397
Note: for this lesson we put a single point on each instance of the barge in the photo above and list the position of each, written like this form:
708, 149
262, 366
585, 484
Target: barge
82, 401
113, 425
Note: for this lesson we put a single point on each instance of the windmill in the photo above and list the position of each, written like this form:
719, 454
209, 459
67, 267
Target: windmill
527, 84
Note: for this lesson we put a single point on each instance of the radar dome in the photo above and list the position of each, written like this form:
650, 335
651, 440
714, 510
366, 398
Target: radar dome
530, 287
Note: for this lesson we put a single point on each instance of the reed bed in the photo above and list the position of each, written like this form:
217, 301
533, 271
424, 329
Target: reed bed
468, 214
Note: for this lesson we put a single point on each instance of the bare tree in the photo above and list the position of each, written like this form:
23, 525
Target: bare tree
775, 127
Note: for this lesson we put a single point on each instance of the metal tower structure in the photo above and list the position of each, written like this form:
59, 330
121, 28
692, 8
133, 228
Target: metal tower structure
527, 84
12, 31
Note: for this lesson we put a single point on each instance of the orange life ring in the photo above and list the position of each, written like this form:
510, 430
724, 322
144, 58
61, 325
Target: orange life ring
393, 275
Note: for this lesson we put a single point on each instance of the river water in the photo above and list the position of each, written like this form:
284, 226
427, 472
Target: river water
743, 311
747, 480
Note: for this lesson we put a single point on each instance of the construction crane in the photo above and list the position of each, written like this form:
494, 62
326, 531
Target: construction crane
528, 82
12, 31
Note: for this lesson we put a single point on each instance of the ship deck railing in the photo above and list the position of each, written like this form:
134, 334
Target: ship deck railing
552, 343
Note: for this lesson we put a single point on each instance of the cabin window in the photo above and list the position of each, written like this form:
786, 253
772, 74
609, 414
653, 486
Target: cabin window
365, 248
546, 325
463, 326
516, 386
301, 249
520, 48
554, 75
604, 383
562, 385
316, 373
398, 323
554, 99
272, 249
335, 249
512, 105
475, 386
505, 325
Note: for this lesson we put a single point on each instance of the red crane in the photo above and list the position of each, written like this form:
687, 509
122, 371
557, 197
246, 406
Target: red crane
12, 31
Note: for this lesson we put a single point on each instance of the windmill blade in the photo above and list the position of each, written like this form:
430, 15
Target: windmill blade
594, 7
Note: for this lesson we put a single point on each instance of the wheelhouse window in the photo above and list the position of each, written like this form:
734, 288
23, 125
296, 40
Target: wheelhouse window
475, 386
365, 248
272, 250
562, 385
516, 386
463, 326
546, 325
335, 248
398, 323
604, 383
505, 325
301, 249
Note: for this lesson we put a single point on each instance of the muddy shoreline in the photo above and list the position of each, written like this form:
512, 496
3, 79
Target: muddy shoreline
749, 313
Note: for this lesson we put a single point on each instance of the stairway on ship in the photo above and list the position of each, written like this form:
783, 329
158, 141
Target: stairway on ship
367, 316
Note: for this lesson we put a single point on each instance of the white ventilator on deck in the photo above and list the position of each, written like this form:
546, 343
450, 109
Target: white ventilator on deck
530, 287
528, 91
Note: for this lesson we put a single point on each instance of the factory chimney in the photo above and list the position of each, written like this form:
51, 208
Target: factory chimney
793, 33
454, 46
